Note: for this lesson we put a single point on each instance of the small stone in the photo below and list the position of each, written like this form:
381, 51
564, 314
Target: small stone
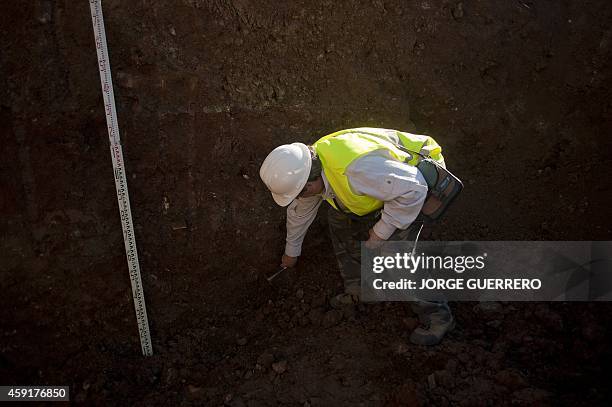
400, 348
510, 378
242, 341
431, 381
170, 376
457, 11
332, 318
494, 324
44, 11
444, 378
280, 367
299, 294
193, 389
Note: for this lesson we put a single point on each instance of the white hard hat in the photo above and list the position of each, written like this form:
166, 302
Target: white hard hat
285, 171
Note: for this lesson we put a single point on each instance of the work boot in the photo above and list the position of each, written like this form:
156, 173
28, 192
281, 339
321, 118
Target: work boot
344, 300
435, 326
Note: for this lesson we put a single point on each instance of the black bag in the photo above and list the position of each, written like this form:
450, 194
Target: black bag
443, 185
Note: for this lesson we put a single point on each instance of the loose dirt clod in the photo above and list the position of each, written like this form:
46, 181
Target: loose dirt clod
332, 318
410, 323
516, 92
280, 367
511, 379
431, 381
458, 11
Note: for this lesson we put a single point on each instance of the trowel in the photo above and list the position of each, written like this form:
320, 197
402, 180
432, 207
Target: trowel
280, 270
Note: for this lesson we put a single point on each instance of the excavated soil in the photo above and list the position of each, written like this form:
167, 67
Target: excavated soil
517, 92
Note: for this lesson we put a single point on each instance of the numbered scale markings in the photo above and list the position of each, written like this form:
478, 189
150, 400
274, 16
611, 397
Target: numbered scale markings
120, 179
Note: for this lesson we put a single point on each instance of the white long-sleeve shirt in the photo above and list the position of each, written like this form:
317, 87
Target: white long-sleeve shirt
400, 186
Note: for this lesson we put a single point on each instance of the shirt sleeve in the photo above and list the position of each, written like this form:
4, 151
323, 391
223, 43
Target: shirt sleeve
300, 215
400, 186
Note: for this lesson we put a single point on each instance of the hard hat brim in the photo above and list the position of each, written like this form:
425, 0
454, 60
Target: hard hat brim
282, 200
285, 199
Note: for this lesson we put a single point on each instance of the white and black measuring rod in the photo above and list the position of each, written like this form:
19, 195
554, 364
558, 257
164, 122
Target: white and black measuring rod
120, 180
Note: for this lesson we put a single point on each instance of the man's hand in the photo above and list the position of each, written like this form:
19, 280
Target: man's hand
374, 241
374, 237
288, 261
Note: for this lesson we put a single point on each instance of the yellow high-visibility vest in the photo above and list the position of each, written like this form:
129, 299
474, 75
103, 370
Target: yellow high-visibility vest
338, 150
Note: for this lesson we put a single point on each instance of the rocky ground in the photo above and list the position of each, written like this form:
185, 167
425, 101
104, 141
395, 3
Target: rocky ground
517, 92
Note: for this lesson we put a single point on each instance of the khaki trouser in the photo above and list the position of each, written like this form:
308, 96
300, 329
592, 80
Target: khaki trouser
347, 232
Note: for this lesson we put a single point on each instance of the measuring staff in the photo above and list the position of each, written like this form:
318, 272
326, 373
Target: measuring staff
120, 181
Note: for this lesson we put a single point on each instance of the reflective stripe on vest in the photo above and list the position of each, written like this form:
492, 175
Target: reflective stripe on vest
338, 150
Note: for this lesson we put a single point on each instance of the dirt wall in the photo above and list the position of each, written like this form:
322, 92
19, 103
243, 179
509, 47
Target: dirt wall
517, 93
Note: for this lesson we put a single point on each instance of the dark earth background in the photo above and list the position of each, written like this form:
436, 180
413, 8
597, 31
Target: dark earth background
517, 92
